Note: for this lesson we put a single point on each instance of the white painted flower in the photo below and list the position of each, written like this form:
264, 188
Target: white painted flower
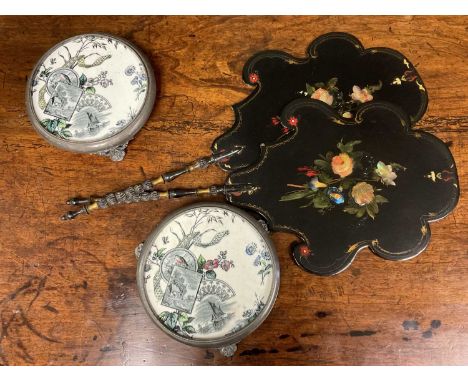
361, 95
322, 95
386, 173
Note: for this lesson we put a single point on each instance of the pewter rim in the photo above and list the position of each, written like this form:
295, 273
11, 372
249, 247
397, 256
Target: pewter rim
117, 139
229, 339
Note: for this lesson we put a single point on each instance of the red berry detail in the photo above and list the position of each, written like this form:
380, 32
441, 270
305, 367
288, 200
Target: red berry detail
292, 121
275, 121
303, 250
253, 78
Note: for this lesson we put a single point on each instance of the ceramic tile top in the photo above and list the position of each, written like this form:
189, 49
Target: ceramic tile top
209, 274
88, 88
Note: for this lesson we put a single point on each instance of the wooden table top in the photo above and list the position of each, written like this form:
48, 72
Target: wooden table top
67, 289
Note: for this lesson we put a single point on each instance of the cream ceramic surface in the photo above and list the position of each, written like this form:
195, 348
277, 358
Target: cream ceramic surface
89, 88
209, 273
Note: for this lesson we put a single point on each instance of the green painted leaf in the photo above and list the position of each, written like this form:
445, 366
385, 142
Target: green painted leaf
373, 206
183, 318
45, 122
159, 253
322, 164
163, 316
321, 202
381, 199
200, 262
397, 166
347, 183
189, 329
66, 133
356, 155
53, 125
310, 89
61, 124
171, 320
90, 90
332, 82
348, 147
308, 204
325, 178
294, 195
360, 213
370, 212
351, 210
83, 80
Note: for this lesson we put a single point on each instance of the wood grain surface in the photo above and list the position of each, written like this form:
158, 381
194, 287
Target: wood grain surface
67, 289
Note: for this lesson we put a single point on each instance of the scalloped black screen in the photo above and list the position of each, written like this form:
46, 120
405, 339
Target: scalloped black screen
427, 190
280, 78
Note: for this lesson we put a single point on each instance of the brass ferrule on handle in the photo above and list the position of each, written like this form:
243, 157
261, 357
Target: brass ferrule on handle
86, 209
146, 190
200, 163
113, 199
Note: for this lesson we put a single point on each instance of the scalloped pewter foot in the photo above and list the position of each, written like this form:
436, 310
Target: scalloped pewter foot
229, 350
264, 225
138, 250
116, 153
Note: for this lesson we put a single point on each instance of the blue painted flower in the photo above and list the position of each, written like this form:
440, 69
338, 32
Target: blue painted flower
266, 255
135, 81
257, 261
130, 70
335, 195
250, 249
314, 184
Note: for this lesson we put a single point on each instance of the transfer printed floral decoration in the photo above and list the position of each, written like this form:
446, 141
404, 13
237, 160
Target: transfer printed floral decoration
344, 184
88, 89
209, 274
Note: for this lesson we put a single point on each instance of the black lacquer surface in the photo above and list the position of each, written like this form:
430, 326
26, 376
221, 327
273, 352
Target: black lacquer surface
280, 78
421, 184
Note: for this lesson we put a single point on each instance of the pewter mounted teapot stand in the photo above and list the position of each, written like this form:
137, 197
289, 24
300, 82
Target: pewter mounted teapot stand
91, 93
228, 293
